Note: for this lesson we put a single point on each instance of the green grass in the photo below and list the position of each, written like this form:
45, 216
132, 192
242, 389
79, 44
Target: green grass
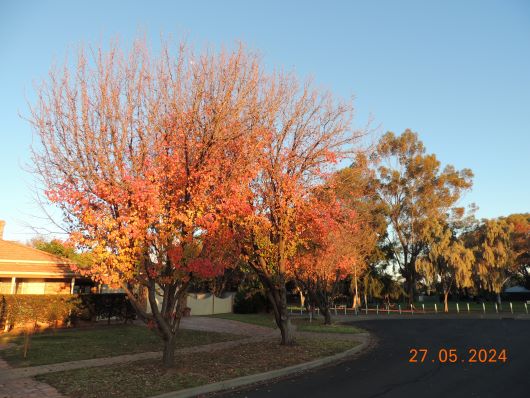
146, 378
266, 320
302, 323
74, 344
317, 326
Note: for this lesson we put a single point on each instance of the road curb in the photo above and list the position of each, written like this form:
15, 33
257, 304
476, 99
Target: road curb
260, 377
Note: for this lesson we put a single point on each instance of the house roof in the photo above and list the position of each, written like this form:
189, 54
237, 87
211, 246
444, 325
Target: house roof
26, 262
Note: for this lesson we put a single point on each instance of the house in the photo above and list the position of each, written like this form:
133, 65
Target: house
25, 270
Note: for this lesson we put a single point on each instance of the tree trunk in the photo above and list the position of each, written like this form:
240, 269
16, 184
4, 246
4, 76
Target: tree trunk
446, 304
166, 316
286, 329
277, 295
168, 357
323, 305
302, 298
411, 291
285, 321
284, 324
356, 299
278, 299
410, 278
327, 315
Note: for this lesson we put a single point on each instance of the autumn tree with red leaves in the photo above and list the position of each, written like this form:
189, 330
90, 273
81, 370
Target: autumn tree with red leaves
147, 157
332, 249
304, 132
356, 187
165, 168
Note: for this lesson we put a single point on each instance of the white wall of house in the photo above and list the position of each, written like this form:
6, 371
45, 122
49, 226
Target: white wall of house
31, 286
35, 286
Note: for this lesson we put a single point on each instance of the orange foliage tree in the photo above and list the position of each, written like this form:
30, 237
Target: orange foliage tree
330, 251
356, 187
166, 168
304, 132
147, 157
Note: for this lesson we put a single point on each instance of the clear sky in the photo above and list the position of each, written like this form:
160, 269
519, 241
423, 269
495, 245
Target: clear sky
456, 72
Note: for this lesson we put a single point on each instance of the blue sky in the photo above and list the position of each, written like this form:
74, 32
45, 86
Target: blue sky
456, 72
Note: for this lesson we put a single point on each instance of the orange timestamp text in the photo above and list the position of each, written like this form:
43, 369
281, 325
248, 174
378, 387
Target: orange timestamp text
452, 355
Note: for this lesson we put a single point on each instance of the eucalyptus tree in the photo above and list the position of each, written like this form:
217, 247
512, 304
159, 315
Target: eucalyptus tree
414, 190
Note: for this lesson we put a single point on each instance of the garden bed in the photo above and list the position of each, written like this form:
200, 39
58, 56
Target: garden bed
147, 378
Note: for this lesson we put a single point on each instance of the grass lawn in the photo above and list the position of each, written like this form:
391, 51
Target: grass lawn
146, 378
302, 323
317, 326
266, 320
71, 345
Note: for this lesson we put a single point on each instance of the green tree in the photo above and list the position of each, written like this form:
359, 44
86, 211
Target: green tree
371, 285
59, 248
520, 244
414, 191
392, 289
376, 283
495, 263
446, 261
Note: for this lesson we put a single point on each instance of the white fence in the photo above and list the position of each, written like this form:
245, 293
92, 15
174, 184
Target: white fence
205, 303
208, 304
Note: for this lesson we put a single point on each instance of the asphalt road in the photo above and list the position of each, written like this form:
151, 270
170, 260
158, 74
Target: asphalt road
385, 370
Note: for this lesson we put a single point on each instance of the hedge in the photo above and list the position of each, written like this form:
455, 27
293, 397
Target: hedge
24, 309
104, 306
250, 303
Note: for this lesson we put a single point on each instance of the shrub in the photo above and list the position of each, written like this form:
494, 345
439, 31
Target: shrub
106, 306
250, 302
23, 309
